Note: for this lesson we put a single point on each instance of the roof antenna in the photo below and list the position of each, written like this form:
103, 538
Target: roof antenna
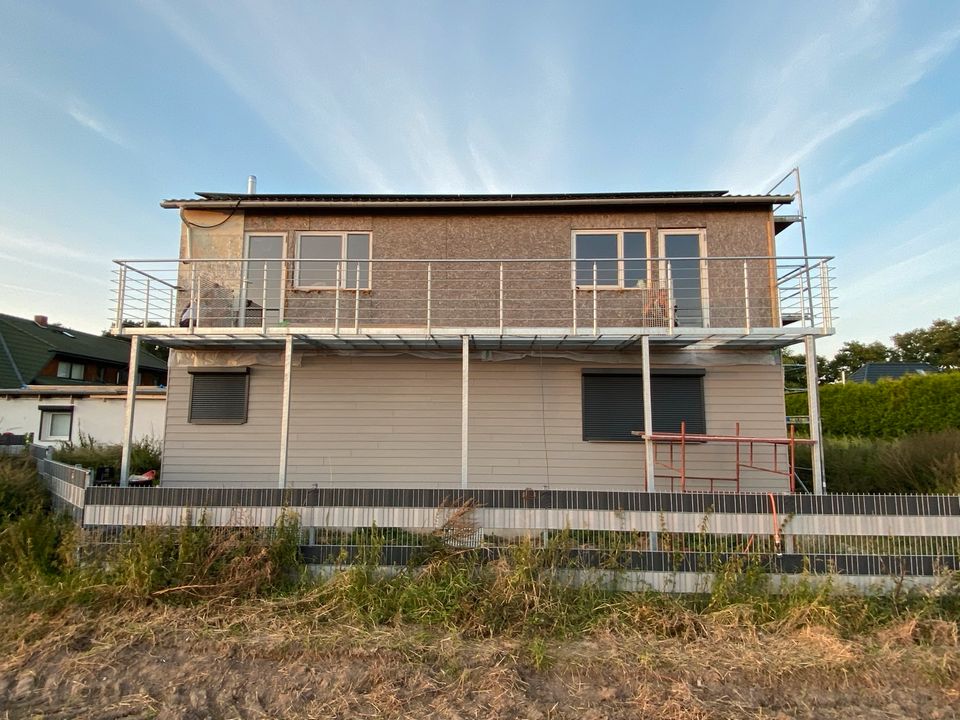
251, 185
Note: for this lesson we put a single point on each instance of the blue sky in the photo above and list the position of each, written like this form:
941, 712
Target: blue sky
108, 107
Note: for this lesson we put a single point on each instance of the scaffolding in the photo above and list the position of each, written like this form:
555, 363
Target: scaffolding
745, 456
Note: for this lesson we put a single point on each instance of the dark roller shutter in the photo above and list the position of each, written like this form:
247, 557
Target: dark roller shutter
613, 404
678, 398
219, 398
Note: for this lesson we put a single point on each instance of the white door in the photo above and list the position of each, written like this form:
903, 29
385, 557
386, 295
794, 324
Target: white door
263, 280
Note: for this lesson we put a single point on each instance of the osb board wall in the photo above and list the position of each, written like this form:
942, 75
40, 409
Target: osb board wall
535, 294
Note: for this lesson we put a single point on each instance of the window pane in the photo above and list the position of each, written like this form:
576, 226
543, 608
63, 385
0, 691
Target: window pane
63, 370
358, 248
76, 371
59, 425
686, 277
634, 269
596, 248
318, 247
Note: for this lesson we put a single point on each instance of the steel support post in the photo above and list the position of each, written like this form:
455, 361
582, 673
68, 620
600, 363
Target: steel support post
647, 416
813, 410
285, 410
465, 416
128, 414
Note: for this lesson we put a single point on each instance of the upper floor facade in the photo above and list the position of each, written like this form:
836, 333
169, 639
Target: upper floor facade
510, 271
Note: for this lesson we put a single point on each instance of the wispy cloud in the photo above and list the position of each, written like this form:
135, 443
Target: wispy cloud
26, 246
837, 79
877, 163
87, 119
364, 108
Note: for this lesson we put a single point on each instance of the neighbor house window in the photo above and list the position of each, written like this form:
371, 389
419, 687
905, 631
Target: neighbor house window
70, 370
326, 259
219, 397
56, 423
613, 403
620, 258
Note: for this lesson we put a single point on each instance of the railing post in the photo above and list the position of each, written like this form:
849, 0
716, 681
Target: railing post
173, 308
501, 299
429, 296
283, 290
573, 277
594, 297
671, 299
803, 301
746, 295
193, 306
825, 295
121, 293
263, 297
356, 303
146, 304
336, 300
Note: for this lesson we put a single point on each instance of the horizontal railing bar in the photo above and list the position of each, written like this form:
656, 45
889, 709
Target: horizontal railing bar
187, 261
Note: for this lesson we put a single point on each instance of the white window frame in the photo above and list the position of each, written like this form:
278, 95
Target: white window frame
343, 234
704, 272
46, 421
71, 367
620, 259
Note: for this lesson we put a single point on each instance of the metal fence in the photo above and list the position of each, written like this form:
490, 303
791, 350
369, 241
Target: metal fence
504, 296
668, 540
67, 483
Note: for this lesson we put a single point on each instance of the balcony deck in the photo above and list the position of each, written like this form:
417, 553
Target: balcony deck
512, 305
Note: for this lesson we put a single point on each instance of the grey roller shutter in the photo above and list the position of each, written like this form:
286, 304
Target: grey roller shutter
612, 404
219, 398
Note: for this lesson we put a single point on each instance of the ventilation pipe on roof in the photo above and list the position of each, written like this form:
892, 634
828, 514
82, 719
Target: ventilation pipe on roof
252, 185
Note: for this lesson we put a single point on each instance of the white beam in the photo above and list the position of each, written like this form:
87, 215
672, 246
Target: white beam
132, 370
285, 410
465, 416
647, 416
813, 410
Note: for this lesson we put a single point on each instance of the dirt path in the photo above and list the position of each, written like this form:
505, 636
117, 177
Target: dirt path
252, 662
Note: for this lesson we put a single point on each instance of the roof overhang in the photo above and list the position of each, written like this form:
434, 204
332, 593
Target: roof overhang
223, 201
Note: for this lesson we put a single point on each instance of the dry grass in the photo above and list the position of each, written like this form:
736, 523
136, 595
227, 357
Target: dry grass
273, 658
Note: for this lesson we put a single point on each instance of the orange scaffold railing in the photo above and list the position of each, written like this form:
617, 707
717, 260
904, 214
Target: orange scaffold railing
745, 456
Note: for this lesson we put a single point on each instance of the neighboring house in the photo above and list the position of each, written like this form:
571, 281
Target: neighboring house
872, 371
57, 383
483, 341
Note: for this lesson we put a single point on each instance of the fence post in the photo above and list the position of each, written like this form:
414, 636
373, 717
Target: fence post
825, 295
429, 296
746, 295
594, 297
501, 299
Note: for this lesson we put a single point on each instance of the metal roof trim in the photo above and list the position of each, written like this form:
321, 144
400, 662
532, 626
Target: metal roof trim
227, 201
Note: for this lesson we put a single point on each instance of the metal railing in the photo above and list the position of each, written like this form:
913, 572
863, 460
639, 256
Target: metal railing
864, 537
500, 297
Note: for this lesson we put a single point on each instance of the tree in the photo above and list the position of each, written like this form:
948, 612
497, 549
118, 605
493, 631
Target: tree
795, 370
938, 344
853, 355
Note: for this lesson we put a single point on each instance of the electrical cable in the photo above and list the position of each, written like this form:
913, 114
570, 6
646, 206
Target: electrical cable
207, 227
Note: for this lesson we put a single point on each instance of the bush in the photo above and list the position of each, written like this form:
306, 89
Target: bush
145, 454
887, 409
917, 463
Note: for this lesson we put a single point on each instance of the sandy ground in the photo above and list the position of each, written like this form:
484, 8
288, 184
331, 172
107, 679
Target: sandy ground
255, 662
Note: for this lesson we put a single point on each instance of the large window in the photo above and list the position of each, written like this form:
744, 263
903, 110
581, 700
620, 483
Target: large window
56, 423
613, 403
219, 397
326, 258
685, 251
619, 257
70, 370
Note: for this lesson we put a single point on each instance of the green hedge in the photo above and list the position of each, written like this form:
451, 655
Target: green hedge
890, 408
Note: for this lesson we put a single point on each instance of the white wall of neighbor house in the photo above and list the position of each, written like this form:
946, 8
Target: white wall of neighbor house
98, 417
362, 421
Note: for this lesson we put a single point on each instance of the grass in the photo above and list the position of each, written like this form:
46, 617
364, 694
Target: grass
46, 565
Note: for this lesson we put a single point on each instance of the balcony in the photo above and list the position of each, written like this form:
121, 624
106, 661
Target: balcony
502, 304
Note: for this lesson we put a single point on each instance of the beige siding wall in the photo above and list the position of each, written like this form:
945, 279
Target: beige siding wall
366, 421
